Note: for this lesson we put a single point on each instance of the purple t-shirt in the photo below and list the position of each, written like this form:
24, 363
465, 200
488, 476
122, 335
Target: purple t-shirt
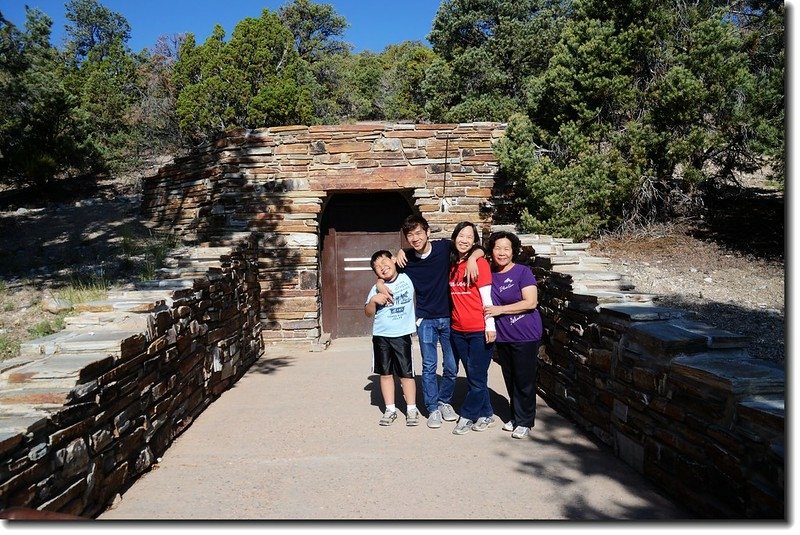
506, 289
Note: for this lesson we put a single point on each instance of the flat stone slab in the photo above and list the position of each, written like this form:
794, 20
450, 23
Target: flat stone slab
100, 320
187, 273
212, 253
579, 246
582, 274
584, 286
14, 424
59, 370
716, 338
16, 362
544, 248
563, 260
9, 439
127, 305
595, 260
46, 345
32, 401
732, 373
154, 294
646, 312
762, 413
663, 338
107, 341
610, 296
165, 284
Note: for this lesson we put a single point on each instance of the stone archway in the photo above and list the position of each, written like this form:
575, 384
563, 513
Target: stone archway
353, 226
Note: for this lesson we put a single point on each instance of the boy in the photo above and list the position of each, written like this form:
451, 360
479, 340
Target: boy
391, 336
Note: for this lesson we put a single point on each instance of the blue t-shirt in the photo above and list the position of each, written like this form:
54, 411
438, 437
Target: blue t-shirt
506, 289
430, 278
397, 319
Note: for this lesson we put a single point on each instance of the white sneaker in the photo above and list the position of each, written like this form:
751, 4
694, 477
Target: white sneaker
435, 419
521, 431
483, 423
448, 414
388, 417
412, 418
463, 426
509, 426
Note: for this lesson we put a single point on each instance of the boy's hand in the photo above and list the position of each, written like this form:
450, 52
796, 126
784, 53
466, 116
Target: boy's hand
382, 299
384, 291
400, 258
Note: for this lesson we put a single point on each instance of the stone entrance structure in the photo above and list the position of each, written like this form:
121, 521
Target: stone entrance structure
322, 198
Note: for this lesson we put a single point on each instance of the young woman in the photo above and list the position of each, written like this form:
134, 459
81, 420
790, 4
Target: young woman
519, 328
471, 336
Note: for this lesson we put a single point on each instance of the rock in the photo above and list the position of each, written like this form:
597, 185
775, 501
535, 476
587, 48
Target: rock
56, 305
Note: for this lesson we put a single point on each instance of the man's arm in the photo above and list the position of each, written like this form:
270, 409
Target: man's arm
400, 258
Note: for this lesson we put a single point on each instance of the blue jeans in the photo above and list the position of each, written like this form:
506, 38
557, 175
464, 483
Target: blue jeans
476, 355
431, 331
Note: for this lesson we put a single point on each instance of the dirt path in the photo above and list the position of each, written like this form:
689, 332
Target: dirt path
286, 457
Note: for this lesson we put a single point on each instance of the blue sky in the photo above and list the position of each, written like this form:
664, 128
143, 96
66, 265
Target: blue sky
373, 23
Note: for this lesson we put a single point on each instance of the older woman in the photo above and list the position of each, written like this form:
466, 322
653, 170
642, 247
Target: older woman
519, 328
471, 334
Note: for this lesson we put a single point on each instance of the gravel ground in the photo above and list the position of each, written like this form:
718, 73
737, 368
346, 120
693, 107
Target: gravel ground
734, 291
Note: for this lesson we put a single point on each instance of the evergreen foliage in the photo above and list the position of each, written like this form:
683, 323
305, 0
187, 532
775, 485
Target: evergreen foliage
42, 131
488, 49
93, 28
642, 110
252, 80
619, 112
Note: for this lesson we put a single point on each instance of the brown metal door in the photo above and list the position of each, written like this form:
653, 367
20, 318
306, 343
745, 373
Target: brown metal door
347, 278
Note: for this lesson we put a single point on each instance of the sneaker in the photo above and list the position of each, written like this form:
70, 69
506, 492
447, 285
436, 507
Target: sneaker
483, 423
388, 417
435, 419
448, 414
509, 426
521, 431
412, 418
463, 426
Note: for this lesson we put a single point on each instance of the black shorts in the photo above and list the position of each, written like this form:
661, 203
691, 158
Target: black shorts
392, 356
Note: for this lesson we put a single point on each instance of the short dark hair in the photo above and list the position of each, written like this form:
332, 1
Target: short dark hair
516, 244
377, 254
413, 221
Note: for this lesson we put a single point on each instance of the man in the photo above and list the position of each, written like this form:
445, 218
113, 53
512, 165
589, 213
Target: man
427, 264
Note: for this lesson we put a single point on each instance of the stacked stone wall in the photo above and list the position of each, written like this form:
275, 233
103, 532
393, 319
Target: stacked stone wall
679, 400
276, 181
85, 412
